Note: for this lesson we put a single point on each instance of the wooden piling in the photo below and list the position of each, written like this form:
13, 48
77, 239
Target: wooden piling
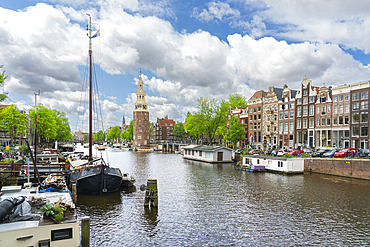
151, 193
74, 193
85, 231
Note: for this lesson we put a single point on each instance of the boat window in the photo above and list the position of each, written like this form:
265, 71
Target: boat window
61, 234
258, 161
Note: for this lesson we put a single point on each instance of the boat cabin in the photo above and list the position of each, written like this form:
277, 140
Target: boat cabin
276, 164
212, 154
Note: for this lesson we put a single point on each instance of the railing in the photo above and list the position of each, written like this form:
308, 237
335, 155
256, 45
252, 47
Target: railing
44, 169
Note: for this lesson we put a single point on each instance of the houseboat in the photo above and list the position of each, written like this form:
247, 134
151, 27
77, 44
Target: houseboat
212, 154
275, 164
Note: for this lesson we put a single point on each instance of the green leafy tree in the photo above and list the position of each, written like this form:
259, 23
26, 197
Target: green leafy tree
100, 136
194, 126
3, 96
62, 126
236, 100
179, 130
46, 122
114, 133
166, 117
213, 115
86, 137
13, 121
130, 131
235, 132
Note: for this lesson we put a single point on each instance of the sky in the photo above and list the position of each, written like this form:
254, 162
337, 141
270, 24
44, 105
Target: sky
184, 50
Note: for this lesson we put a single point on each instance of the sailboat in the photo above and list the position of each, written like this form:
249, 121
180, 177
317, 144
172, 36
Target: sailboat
93, 176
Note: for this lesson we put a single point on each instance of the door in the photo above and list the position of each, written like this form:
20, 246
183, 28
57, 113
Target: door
220, 156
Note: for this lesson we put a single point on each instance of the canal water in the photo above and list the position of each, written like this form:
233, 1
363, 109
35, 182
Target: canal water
203, 204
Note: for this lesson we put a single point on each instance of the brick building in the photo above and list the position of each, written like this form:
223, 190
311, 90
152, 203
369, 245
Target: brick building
141, 133
255, 106
162, 131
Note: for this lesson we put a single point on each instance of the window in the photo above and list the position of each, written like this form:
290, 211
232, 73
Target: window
335, 120
254, 109
323, 121
305, 110
299, 111
291, 114
312, 122
305, 100
364, 105
346, 119
291, 126
286, 126
255, 117
259, 116
364, 117
318, 121
340, 98
340, 119
291, 105
355, 117
299, 101
305, 123
356, 106
305, 92
298, 136
312, 99
335, 109
312, 110
259, 126
328, 120
346, 97
328, 108
355, 96
281, 115
346, 108
298, 123
365, 95
355, 130
340, 111
259, 108
335, 99
364, 130
286, 106
323, 110
286, 99
281, 127
286, 115
323, 100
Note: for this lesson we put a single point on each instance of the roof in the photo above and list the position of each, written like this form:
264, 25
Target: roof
268, 157
165, 122
279, 93
258, 94
206, 148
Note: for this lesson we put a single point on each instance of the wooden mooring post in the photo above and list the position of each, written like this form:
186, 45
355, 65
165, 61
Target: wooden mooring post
85, 232
151, 193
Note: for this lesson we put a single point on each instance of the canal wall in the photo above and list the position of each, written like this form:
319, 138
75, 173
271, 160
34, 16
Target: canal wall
353, 168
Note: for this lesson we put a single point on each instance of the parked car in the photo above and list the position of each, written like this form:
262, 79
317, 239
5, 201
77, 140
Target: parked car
320, 152
254, 152
284, 152
274, 152
307, 151
329, 153
296, 152
268, 152
346, 152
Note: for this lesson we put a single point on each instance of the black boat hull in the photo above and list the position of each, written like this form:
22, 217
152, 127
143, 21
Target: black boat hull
97, 180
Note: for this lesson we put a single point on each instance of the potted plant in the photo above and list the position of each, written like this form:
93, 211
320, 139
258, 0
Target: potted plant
55, 212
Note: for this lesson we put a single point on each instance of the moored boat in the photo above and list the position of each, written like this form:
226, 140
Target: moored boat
127, 181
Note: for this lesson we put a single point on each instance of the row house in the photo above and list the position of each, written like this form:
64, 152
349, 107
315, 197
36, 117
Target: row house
255, 113
162, 131
305, 114
242, 114
286, 119
270, 116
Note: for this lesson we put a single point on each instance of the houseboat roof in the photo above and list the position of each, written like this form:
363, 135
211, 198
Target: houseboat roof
205, 148
268, 157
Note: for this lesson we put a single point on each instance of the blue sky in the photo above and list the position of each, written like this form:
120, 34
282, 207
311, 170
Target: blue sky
185, 50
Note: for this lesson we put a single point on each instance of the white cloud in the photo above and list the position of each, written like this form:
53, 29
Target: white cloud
216, 10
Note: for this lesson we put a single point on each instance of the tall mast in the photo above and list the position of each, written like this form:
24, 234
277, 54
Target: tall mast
90, 95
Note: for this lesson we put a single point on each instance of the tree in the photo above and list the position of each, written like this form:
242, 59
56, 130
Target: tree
86, 137
100, 136
212, 115
194, 125
3, 96
62, 126
236, 100
235, 132
13, 121
166, 117
114, 133
179, 130
46, 122
130, 131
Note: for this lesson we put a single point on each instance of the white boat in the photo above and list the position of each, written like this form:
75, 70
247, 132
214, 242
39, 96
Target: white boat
177, 152
143, 149
24, 227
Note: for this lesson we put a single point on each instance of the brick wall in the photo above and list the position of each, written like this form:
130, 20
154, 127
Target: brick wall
354, 168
